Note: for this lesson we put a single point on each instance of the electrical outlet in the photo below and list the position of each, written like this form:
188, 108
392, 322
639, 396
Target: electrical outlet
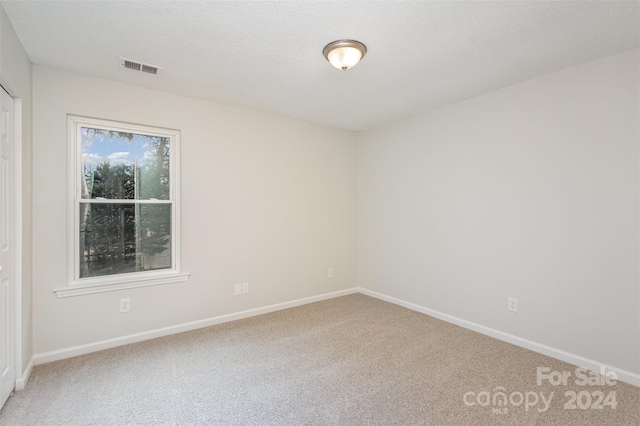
245, 288
330, 274
125, 305
237, 289
512, 304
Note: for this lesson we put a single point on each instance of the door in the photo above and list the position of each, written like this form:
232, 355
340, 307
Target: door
7, 296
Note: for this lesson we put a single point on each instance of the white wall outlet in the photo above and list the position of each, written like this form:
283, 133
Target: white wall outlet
512, 304
245, 288
125, 305
330, 274
237, 289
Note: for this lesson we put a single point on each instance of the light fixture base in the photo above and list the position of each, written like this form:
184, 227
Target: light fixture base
344, 54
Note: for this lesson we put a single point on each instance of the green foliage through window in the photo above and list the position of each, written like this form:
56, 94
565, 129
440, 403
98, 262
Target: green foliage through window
125, 207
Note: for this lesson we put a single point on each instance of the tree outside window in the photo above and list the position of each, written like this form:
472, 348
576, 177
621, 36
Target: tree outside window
125, 199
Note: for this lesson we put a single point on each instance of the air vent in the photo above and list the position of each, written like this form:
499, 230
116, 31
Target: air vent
149, 69
140, 67
131, 65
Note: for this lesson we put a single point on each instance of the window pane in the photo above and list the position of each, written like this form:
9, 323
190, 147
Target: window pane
125, 166
122, 238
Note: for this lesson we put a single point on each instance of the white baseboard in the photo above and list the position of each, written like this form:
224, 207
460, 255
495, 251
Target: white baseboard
73, 351
21, 381
623, 375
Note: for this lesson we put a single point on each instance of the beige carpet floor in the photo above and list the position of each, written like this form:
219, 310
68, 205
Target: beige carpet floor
353, 360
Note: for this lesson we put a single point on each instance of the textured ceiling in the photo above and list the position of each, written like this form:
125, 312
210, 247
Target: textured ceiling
268, 55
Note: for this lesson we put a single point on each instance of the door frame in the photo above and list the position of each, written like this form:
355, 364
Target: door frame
17, 243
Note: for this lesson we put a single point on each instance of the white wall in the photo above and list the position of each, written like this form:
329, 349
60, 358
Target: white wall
15, 75
531, 191
266, 200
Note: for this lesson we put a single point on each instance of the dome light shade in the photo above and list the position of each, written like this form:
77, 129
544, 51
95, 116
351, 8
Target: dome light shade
344, 54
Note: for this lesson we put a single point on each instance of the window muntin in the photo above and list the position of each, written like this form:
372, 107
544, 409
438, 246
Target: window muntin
125, 202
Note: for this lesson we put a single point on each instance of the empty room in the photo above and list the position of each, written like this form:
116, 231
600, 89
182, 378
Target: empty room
319, 212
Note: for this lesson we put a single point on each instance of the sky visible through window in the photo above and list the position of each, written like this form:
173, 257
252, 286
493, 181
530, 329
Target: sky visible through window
123, 165
100, 146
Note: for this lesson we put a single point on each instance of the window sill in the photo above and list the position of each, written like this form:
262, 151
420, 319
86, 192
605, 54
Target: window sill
83, 289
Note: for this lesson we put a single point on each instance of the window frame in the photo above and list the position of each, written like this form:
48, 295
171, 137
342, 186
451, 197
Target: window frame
88, 285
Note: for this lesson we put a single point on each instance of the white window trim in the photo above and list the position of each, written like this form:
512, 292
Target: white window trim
77, 286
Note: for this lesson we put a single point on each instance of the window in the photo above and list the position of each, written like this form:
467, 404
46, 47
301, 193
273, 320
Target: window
124, 206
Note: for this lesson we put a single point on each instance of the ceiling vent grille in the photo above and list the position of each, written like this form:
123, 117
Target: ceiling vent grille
140, 66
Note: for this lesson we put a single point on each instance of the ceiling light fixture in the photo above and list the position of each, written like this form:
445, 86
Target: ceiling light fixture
344, 54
